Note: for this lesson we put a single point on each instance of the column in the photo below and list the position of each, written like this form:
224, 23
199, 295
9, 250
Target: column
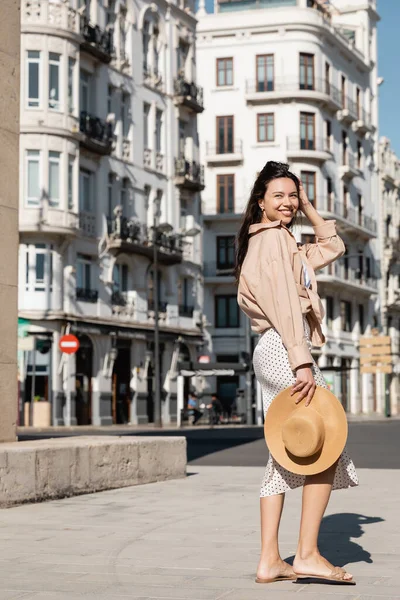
355, 405
102, 381
9, 166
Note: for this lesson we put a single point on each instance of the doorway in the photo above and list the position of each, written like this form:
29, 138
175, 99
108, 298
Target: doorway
121, 394
83, 381
345, 382
227, 387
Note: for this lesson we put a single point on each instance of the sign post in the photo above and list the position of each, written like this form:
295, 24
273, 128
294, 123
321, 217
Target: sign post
68, 344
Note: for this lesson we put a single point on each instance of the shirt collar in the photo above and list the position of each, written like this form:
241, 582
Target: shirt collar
256, 227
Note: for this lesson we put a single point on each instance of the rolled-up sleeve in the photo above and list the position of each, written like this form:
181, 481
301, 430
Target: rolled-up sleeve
277, 296
328, 246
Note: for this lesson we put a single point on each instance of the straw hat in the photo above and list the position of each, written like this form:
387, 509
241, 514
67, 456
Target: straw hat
306, 439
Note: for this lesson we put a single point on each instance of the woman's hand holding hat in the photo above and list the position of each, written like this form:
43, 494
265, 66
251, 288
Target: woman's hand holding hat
305, 385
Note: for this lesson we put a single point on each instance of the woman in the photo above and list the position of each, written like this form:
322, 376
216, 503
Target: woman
278, 291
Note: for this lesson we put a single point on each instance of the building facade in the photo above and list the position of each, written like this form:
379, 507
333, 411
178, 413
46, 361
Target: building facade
294, 81
109, 167
389, 172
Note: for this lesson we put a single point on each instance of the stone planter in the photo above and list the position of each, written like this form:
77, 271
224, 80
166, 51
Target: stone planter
40, 415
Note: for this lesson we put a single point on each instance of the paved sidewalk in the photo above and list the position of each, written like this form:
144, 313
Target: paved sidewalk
190, 539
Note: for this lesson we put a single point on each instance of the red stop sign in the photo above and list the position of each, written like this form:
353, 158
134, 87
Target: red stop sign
69, 344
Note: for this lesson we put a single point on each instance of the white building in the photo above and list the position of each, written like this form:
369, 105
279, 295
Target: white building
294, 81
389, 172
109, 110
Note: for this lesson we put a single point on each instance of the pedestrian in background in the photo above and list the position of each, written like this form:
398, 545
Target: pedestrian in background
192, 407
215, 410
278, 291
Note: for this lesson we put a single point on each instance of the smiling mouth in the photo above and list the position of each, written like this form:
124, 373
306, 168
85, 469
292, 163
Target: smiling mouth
287, 213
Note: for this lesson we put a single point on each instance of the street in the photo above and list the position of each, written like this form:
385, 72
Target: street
372, 444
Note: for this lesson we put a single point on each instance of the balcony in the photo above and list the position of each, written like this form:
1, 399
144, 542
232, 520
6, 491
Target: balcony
122, 304
348, 112
189, 175
189, 95
87, 223
38, 13
230, 153
316, 149
152, 78
97, 135
363, 123
185, 311
87, 295
349, 168
348, 219
320, 90
97, 42
133, 237
340, 275
162, 306
217, 273
46, 219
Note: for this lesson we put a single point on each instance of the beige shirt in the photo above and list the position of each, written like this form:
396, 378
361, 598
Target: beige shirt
272, 290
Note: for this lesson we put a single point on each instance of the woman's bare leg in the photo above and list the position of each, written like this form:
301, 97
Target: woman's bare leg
316, 493
271, 565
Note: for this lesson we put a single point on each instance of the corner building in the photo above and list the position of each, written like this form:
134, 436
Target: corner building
294, 81
109, 107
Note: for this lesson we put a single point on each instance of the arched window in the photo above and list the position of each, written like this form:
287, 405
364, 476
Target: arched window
152, 45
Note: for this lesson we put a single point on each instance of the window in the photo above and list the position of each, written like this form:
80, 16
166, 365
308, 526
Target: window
265, 72
328, 131
71, 94
125, 115
226, 311
146, 44
33, 79
306, 71
345, 201
70, 183
33, 178
159, 127
308, 180
265, 127
358, 103
146, 125
360, 209
225, 193
122, 35
84, 91
85, 191
225, 127
329, 190
307, 131
110, 195
54, 81
54, 178
368, 267
181, 55
343, 91
225, 252
156, 55
329, 311
359, 155
345, 315
83, 273
327, 78
124, 197
344, 148
224, 71
110, 97
120, 278
39, 268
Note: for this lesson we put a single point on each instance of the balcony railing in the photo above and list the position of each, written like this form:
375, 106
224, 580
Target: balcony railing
87, 295
189, 94
97, 41
293, 85
343, 271
87, 223
351, 214
189, 174
53, 14
122, 304
295, 143
214, 269
186, 311
98, 133
162, 306
135, 237
232, 147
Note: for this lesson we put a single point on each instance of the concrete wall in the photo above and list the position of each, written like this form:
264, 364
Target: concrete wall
9, 176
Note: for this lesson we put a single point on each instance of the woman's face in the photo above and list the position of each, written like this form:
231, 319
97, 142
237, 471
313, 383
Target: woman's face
280, 202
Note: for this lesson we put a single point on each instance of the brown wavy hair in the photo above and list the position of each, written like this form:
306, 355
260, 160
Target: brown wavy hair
253, 213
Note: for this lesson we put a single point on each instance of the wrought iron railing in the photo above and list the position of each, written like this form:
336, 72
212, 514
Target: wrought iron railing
133, 231
99, 39
188, 90
350, 213
295, 143
96, 130
162, 306
190, 170
87, 295
229, 147
186, 311
214, 269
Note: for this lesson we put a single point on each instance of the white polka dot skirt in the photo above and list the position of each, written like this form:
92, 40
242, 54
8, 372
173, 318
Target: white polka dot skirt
272, 369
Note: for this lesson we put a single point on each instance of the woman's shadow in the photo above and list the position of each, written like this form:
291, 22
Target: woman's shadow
334, 538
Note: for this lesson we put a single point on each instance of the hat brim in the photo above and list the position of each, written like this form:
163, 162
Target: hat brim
335, 424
